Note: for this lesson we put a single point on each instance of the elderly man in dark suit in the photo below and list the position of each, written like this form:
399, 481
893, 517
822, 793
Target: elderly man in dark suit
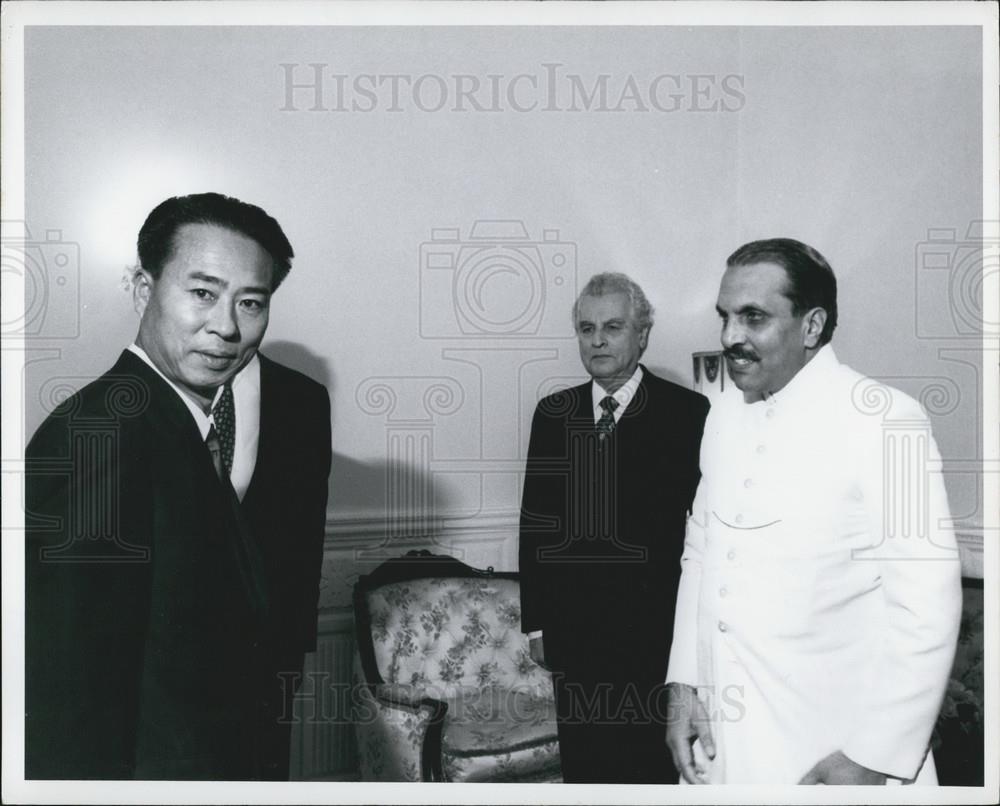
612, 470
175, 520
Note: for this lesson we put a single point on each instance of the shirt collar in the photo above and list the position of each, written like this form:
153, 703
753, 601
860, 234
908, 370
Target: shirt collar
623, 395
247, 380
808, 380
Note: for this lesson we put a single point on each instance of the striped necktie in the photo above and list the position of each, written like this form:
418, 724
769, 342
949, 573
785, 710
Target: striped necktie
607, 422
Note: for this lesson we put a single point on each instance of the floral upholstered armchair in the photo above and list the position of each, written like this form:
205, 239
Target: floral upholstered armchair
445, 689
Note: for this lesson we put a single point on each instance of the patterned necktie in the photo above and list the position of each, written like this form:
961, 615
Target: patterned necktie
220, 441
607, 422
224, 415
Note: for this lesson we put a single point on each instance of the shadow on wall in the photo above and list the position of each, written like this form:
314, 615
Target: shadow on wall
386, 489
670, 375
404, 494
294, 355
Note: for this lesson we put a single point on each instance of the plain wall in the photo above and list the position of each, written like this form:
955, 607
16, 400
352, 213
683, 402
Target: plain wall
858, 141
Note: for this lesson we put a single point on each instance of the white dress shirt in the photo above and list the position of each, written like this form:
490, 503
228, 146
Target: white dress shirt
820, 593
623, 395
246, 402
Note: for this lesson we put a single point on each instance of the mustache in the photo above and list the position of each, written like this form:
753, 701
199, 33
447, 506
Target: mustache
740, 352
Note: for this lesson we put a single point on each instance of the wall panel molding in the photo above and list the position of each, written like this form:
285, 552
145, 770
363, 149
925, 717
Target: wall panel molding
362, 527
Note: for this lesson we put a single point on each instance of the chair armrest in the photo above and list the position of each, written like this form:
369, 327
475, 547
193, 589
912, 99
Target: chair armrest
409, 696
399, 732
401, 694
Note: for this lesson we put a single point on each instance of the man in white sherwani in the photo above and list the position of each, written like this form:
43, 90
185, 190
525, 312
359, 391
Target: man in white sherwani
820, 596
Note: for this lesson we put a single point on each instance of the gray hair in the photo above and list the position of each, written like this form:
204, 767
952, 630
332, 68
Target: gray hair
613, 282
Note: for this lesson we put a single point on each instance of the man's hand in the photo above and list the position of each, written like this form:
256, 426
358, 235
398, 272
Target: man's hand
687, 720
837, 768
537, 651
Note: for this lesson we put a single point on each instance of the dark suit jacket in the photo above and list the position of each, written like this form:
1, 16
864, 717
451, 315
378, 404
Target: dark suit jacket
602, 527
145, 653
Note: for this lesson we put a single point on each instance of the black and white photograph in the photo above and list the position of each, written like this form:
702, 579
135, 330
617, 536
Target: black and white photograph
588, 401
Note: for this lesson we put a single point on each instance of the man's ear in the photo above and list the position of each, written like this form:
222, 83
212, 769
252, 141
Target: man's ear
643, 338
812, 327
142, 290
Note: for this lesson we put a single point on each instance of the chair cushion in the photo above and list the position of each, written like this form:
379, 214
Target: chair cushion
495, 734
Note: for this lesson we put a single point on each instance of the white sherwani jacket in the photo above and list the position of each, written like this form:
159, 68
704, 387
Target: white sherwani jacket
820, 597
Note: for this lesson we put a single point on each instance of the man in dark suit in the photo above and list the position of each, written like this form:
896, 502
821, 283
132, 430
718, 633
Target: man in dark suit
612, 469
175, 520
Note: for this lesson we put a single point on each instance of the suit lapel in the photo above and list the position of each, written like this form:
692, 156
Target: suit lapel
268, 402
638, 407
163, 402
584, 409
